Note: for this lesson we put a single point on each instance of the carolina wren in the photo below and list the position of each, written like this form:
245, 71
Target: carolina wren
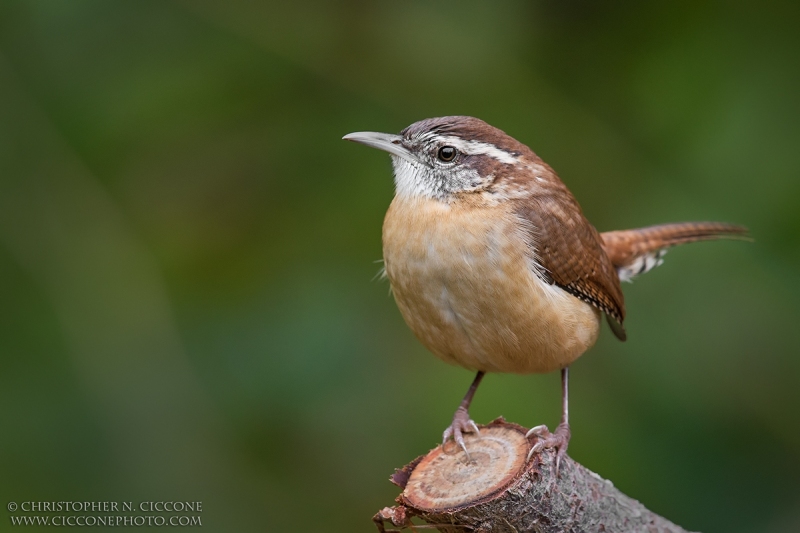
492, 263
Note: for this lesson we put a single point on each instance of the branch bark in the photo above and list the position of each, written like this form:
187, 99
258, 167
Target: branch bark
499, 490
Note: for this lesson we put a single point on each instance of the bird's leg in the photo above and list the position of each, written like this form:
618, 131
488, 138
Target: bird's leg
559, 439
462, 423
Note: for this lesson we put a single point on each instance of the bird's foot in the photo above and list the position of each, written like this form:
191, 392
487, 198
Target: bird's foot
462, 423
545, 439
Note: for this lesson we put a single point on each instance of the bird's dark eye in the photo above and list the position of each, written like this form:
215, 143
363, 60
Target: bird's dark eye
447, 153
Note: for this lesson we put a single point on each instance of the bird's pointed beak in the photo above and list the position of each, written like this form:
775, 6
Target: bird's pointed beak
382, 141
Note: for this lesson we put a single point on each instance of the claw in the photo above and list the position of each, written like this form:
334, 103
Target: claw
538, 447
558, 440
460, 442
538, 431
447, 434
461, 424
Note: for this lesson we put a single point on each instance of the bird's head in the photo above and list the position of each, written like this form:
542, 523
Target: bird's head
441, 158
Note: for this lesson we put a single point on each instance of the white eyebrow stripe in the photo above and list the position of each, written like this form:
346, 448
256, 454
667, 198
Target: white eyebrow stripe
479, 148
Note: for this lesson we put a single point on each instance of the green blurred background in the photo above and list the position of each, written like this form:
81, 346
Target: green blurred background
187, 249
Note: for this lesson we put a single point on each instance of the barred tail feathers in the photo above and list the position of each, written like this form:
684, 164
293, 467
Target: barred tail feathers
636, 251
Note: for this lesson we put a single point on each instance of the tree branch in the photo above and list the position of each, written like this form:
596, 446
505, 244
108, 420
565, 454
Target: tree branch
498, 490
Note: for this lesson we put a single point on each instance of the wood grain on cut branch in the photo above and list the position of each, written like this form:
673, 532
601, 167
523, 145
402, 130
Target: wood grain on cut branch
500, 491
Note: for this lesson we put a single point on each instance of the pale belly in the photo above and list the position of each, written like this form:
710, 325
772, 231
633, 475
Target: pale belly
467, 289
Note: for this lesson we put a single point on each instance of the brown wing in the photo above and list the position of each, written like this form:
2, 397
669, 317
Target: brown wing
570, 250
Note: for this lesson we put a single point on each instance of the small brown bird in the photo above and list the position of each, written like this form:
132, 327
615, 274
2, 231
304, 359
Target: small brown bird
492, 263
